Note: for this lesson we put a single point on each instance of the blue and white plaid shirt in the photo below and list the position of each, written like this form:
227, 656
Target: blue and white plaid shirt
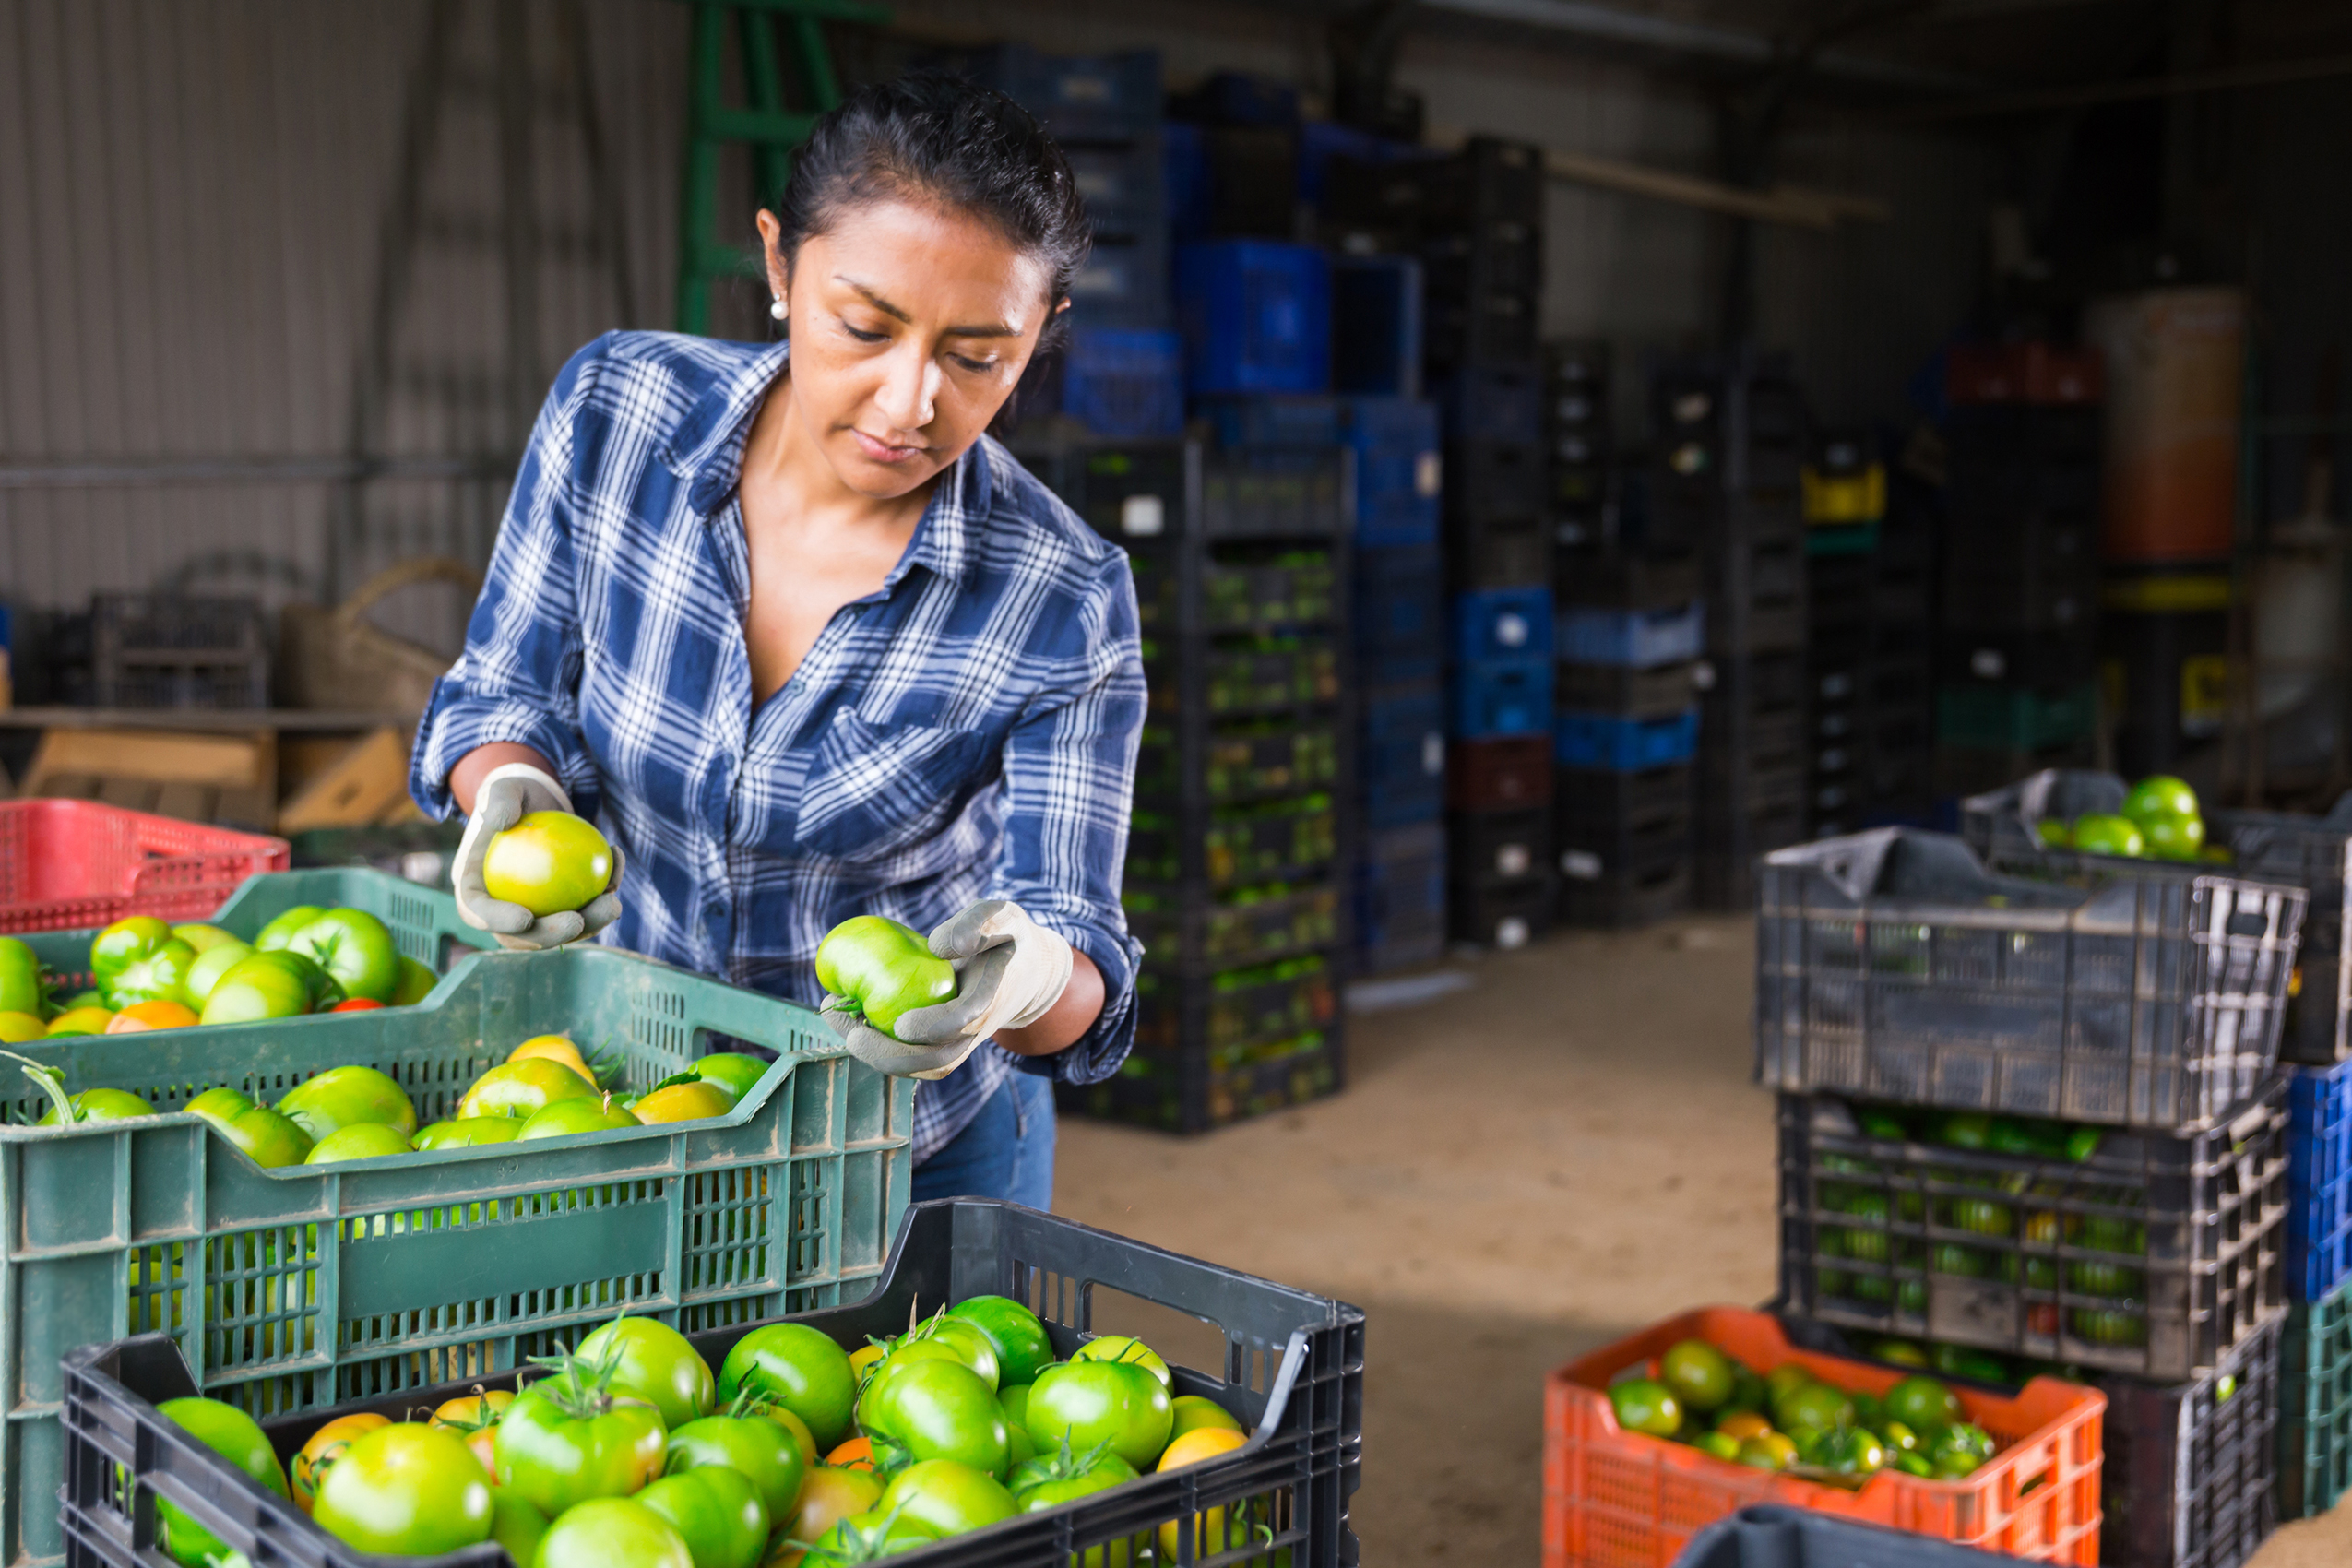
968, 732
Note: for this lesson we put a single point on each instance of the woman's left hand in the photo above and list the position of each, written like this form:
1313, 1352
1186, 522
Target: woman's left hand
1009, 972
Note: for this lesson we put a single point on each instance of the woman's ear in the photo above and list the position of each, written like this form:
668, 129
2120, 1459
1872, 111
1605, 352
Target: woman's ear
771, 241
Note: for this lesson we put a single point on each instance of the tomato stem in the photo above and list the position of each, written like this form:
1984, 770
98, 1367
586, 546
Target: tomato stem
52, 1083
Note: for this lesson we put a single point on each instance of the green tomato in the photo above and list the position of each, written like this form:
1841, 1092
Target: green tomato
1098, 1402
548, 862
951, 1498
1912, 1464
732, 1070
563, 1443
123, 944
882, 970
2054, 832
220, 1105
1128, 1350
20, 986
468, 1135
1817, 1407
654, 1362
361, 1140
1193, 1412
1699, 1374
516, 1525
98, 1105
1023, 1349
269, 1138
2104, 834
160, 976
203, 938
717, 1510
1645, 1404
317, 985
213, 963
344, 1097
234, 1435
1922, 1403
935, 1410
408, 1489
416, 983
864, 1538
2174, 837
280, 933
799, 1368
252, 990
613, 1532
2082, 1143
753, 1444
522, 1089
1065, 1466
2159, 795
827, 1497
972, 1347
598, 1114
355, 948
1719, 1444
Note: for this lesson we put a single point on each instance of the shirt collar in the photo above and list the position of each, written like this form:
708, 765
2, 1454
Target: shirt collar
707, 451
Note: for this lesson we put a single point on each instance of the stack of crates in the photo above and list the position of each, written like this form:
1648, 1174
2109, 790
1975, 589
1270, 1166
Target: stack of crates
1237, 855
1577, 448
2039, 1118
1868, 654
2315, 1380
1728, 443
1625, 731
2017, 662
1122, 370
1233, 155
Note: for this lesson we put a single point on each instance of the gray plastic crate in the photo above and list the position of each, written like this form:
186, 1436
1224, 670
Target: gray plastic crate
1891, 965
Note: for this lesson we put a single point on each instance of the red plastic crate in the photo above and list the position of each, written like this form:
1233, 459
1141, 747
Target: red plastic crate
1614, 1499
69, 864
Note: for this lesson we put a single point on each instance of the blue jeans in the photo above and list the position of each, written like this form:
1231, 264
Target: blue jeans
1006, 1152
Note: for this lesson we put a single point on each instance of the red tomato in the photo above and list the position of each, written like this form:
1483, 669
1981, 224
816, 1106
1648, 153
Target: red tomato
355, 1004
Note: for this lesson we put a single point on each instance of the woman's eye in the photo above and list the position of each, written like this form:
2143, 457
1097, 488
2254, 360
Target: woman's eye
975, 366
861, 334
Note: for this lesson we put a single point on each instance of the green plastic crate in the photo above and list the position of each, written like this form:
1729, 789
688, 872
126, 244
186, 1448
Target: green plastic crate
2315, 1405
2013, 718
423, 920
303, 1287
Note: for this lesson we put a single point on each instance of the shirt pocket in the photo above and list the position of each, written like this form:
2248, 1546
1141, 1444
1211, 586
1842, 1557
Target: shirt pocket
873, 790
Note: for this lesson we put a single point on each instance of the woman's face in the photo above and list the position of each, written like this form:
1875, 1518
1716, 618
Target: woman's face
910, 325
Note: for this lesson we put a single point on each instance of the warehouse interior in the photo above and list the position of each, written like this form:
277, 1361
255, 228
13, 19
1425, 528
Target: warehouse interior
1576, 456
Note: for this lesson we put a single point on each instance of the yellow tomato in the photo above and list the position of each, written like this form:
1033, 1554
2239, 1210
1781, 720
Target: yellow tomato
324, 1444
1201, 1443
157, 1014
80, 1021
16, 1028
555, 1048
697, 1101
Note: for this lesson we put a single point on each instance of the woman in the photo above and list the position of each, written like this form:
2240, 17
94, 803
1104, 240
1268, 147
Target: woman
806, 644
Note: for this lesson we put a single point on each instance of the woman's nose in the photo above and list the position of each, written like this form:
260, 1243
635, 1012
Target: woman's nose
909, 387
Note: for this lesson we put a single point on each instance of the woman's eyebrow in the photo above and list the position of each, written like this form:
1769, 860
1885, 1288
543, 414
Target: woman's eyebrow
994, 329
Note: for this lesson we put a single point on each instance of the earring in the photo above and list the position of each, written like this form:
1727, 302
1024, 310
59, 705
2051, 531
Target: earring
776, 307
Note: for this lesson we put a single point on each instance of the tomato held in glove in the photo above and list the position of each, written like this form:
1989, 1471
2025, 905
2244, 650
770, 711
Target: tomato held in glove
654, 1362
548, 862
408, 1489
882, 970
566, 1440
799, 1368
234, 1435
356, 948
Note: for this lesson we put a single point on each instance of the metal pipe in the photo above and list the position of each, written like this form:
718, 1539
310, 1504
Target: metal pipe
133, 472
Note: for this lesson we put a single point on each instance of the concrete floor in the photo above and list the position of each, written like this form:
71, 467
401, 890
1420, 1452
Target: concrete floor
1563, 1152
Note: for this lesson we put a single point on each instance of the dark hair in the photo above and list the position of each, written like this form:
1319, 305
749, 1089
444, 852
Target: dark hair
941, 138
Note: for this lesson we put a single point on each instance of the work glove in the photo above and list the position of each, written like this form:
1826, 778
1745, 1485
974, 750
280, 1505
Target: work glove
1009, 971
511, 792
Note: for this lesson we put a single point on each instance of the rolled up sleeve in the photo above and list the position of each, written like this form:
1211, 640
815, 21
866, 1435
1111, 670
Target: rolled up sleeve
1069, 773
519, 679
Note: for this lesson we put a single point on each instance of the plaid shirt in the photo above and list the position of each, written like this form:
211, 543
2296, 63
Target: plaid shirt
968, 732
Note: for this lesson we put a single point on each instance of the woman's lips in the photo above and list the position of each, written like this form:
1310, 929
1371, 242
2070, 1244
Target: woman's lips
883, 451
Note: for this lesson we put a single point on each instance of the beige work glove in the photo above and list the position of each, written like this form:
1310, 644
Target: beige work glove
1009, 972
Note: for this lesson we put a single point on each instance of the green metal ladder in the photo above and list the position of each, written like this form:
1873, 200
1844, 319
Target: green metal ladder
766, 124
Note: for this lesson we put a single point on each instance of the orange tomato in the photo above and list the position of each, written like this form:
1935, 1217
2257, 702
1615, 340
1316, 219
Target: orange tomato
157, 1014
475, 1416
328, 1442
1201, 1443
697, 1101
356, 1004
1743, 1425
855, 1455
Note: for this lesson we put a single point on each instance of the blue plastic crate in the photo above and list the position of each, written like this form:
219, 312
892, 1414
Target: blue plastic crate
1183, 164
1630, 640
1399, 474
1319, 141
1272, 419
1125, 382
1399, 619
1124, 186
1400, 754
1400, 900
1376, 326
1079, 97
1123, 283
1256, 316
1498, 403
1509, 622
1501, 696
2318, 1180
1624, 745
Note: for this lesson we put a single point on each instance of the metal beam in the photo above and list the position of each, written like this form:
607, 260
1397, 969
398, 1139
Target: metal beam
2234, 78
99, 473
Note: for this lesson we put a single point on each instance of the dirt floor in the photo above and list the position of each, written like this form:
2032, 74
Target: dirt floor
1566, 1149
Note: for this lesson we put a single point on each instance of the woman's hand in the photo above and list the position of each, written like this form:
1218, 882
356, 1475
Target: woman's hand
496, 796
1015, 981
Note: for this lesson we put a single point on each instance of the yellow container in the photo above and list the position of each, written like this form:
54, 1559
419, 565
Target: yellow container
1845, 498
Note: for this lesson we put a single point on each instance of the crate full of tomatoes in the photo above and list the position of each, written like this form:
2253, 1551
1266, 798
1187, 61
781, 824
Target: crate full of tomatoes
963, 1413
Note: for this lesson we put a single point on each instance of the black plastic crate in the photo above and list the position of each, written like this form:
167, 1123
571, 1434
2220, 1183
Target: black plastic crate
1891, 964
1504, 914
1078, 97
1194, 1091
171, 651
1190, 931
1497, 552
2310, 852
1489, 328
1626, 900
1493, 403
1767, 1534
1243, 589
2020, 659
1243, 761
1507, 773
1235, 1008
1292, 1371
1285, 492
1400, 896
1123, 185
1620, 581
2190, 1478
2155, 1255
1628, 694
1492, 478
1500, 255
1275, 840
1269, 675
1590, 794
1498, 846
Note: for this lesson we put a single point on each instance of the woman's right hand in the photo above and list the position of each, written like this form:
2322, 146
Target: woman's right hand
500, 798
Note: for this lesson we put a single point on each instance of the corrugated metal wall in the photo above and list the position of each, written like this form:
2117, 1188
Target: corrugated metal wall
197, 205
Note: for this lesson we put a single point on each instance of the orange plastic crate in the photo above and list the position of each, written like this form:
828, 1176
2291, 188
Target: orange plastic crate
1615, 1498
69, 864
